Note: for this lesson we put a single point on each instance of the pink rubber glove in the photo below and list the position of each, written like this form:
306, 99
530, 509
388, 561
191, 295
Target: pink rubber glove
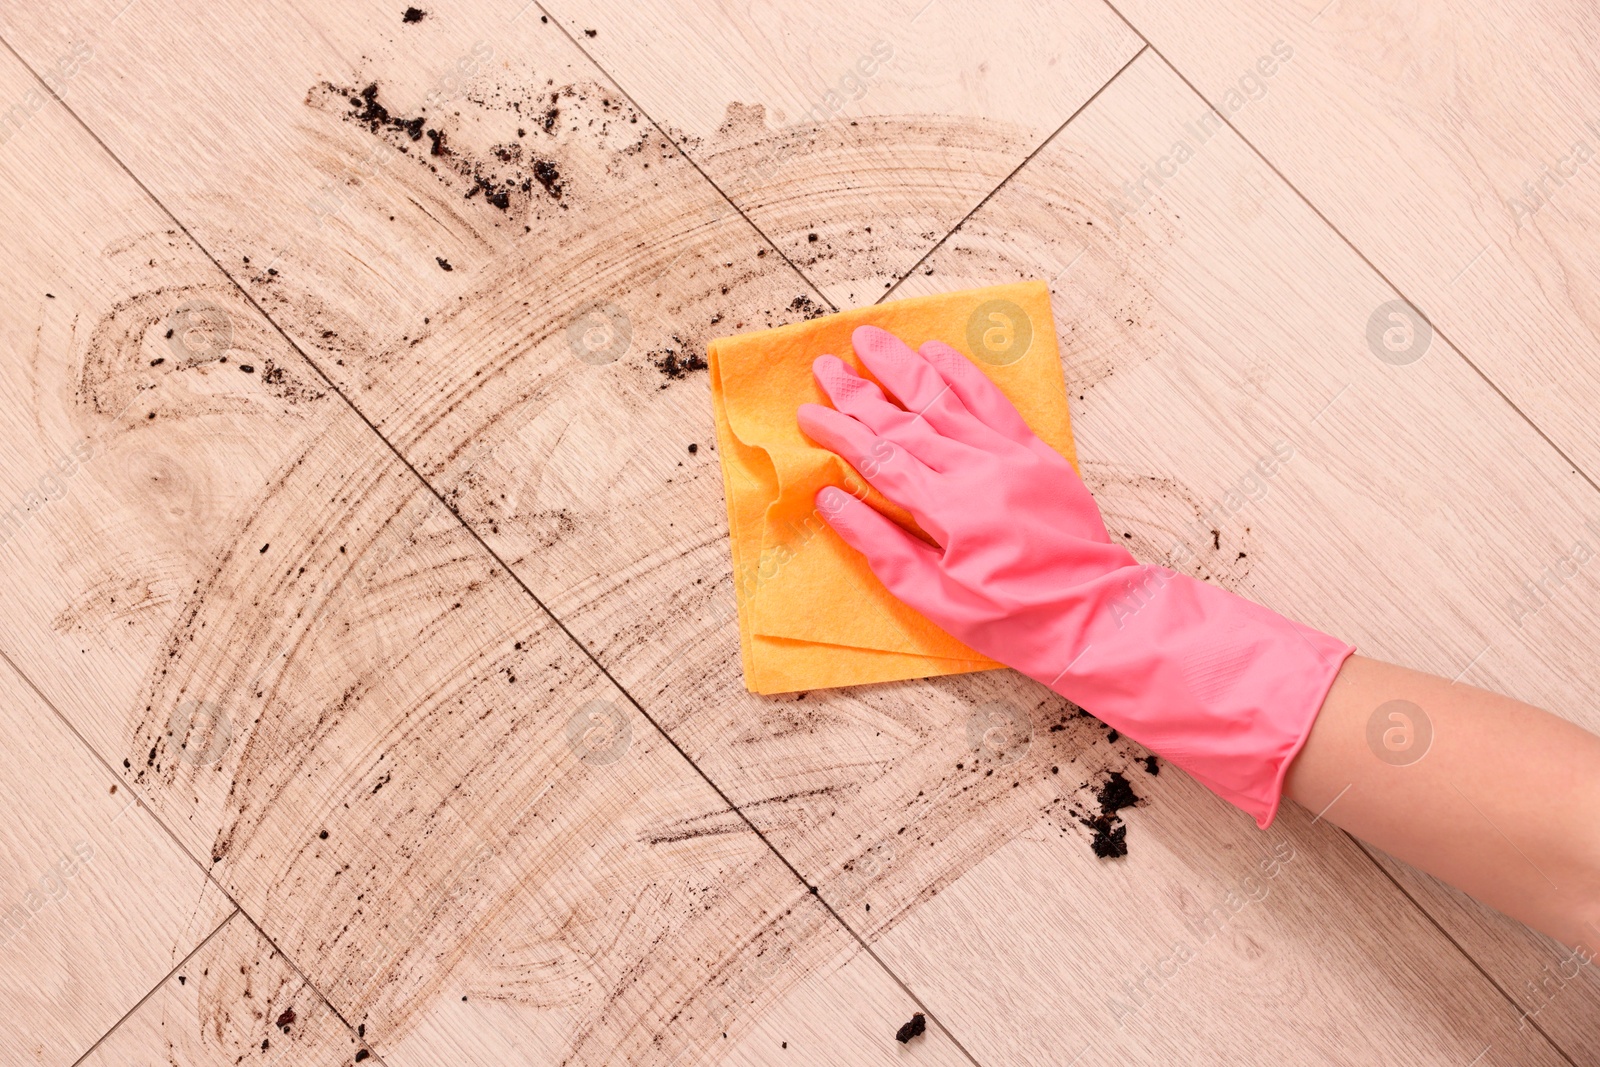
1026, 574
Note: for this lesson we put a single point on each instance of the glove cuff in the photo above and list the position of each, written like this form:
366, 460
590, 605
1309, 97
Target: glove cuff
1223, 687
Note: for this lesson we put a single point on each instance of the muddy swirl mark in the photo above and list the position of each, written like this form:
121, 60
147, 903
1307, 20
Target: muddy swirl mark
854, 203
428, 754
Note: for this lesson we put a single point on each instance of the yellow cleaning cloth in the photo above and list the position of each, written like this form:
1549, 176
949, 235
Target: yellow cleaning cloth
811, 613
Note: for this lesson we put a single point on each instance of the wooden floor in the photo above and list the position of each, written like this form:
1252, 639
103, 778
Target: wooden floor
371, 681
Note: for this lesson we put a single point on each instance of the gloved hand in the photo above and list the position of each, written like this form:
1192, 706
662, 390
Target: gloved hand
1025, 573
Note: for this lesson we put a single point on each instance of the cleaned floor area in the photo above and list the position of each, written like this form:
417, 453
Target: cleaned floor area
371, 675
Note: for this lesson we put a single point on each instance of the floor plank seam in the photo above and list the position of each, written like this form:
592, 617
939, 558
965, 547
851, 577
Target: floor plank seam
473, 533
1042, 145
1495, 388
178, 843
157, 987
1522, 1012
1348, 243
556, 22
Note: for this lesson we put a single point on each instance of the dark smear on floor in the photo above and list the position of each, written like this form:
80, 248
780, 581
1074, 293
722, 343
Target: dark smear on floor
740, 291
505, 175
917, 1025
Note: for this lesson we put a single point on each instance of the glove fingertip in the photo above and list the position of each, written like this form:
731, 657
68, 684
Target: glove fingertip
842, 511
869, 334
832, 501
828, 363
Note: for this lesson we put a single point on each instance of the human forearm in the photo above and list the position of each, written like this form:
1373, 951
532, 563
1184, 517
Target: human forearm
1496, 797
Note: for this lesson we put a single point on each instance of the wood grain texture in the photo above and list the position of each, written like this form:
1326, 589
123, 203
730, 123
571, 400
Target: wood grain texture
576, 471
236, 1000
1454, 147
1044, 953
1219, 319
98, 902
418, 786
579, 475
855, 136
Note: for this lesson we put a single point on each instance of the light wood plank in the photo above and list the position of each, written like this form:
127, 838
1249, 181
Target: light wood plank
1285, 937
1440, 139
855, 135
1224, 318
576, 479
418, 786
222, 1008
1454, 146
98, 901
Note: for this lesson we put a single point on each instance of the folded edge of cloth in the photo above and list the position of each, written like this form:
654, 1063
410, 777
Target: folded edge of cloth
811, 613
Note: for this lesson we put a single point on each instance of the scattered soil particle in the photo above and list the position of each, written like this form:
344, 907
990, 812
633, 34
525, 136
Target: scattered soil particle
286, 1019
917, 1025
674, 367
693, 448
807, 307
413, 14
549, 176
1116, 794
1152, 766
444, 264
497, 194
591, 33
366, 110
675, 363
1110, 838
361, 1055
247, 368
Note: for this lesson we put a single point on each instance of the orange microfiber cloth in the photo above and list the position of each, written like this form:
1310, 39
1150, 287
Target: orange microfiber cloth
811, 613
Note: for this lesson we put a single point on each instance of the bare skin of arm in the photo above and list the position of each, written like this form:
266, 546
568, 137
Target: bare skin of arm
1501, 801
